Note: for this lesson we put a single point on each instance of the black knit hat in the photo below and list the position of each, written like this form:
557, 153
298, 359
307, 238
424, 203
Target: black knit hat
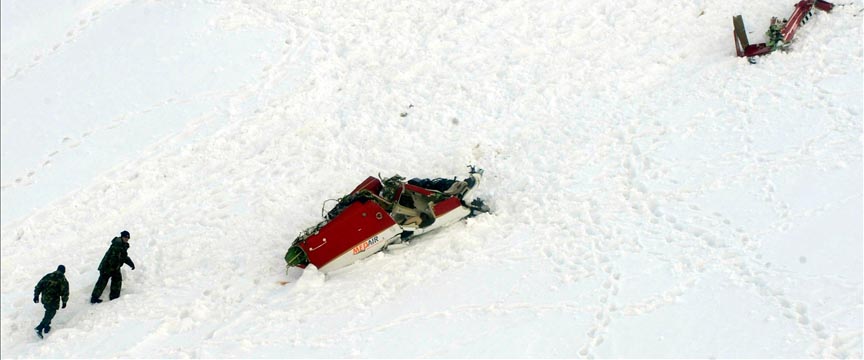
124, 234
61, 269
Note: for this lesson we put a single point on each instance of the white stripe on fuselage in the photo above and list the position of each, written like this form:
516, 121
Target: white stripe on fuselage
389, 235
364, 248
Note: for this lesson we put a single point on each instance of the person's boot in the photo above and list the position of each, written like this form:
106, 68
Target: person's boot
95, 300
39, 332
47, 329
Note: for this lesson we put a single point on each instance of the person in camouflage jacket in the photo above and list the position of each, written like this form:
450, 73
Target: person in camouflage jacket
53, 287
110, 266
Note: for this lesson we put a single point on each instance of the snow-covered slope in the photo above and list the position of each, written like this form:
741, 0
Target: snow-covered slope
653, 195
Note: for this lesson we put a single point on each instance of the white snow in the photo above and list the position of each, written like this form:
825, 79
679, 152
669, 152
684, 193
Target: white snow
653, 194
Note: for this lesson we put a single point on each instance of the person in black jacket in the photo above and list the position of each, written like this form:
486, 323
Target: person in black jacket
109, 268
53, 287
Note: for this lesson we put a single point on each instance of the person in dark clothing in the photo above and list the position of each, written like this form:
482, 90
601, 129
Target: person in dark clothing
109, 268
53, 287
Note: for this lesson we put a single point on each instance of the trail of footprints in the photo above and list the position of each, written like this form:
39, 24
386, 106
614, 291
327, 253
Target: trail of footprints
741, 261
602, 318
269, 77
719, 245
28, 178
69, 143
71, 36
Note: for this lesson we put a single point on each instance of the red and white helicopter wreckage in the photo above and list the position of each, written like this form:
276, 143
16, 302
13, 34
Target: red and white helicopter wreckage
780, 32
382, 212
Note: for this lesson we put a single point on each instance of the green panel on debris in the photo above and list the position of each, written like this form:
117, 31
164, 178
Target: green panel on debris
295, 256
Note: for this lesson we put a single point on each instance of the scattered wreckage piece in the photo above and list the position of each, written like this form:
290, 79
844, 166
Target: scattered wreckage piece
780, 32
383, 212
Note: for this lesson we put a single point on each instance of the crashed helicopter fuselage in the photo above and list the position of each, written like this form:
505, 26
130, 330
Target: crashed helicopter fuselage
382, 212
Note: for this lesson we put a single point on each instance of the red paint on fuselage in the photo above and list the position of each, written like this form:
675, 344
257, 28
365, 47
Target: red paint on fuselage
357, 223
